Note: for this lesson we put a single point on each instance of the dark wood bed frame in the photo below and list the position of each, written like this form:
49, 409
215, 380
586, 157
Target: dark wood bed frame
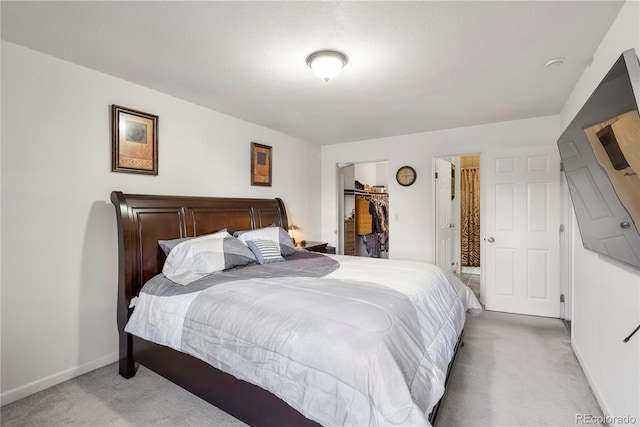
142, 221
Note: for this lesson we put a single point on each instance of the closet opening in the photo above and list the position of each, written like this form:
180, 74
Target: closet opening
364, 209
457, 214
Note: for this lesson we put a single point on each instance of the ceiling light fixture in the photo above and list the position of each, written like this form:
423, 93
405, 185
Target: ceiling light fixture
554, 62
327, 63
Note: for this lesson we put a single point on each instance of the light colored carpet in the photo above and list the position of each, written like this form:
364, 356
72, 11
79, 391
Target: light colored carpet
516, 371
513, 371
104, 398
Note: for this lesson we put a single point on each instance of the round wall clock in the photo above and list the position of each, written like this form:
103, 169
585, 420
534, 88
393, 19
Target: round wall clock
406, 176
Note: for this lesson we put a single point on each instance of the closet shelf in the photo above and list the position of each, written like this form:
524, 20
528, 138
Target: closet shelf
365, 193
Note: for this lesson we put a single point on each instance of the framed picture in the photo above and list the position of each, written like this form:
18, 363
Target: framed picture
260, 164
134, 141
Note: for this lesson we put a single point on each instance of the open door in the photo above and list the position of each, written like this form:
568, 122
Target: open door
522, 225
444, 215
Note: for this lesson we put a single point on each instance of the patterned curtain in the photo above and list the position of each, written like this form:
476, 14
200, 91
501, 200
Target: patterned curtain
470, 216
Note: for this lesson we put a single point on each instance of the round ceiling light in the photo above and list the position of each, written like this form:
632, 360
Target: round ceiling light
327, 63
554, 62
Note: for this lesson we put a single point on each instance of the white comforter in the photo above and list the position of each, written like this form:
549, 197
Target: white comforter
366, 345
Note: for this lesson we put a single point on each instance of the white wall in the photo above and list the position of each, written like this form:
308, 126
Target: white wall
382, 174
372, 173
606, 294
365, 173
59, 244
412, 227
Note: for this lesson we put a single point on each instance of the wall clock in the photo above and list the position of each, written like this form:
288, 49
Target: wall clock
406, 176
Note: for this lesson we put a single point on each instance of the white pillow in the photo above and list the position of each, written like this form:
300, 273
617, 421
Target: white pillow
167, 245
196, 258
267, 233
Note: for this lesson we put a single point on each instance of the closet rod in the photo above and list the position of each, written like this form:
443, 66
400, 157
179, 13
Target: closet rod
365, 193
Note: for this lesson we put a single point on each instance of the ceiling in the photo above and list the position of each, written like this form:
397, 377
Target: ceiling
413, 66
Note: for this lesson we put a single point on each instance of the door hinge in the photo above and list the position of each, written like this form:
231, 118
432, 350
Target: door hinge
561, 228
561, 167
436, 175
561, 297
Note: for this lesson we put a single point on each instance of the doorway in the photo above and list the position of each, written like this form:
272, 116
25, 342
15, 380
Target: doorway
470, 271
521, 253
520, 219
364, 209
457, 213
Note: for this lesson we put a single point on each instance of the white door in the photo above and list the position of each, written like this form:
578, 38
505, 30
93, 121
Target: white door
444, 215
346, 204
522, 225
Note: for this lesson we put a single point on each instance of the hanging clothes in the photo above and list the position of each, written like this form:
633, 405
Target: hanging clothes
372, 222
375, 218
372, 242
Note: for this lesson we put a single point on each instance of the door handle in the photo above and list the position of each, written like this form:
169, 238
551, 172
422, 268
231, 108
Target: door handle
491, 240
452, 225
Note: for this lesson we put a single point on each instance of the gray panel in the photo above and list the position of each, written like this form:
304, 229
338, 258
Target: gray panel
619, 247
588, 193
598, 210
568, 151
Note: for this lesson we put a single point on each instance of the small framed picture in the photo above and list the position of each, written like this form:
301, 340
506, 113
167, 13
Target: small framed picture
134, 141
260, 164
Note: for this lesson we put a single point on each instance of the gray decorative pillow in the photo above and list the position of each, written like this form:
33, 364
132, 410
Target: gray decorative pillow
287, 247
236, 253
265, 251
281, 238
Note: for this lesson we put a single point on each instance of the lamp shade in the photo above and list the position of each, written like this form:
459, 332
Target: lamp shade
327, 63
292, 228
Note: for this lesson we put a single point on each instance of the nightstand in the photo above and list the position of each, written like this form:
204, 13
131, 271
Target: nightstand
313, 246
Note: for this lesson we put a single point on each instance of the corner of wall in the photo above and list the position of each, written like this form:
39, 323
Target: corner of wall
18, 393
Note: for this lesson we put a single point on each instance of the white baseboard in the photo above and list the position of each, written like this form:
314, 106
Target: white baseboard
55, 379
596, 392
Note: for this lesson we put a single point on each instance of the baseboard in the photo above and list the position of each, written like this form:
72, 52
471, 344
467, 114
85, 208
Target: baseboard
55, 379
596, 392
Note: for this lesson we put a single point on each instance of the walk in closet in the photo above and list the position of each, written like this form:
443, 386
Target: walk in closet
365, 231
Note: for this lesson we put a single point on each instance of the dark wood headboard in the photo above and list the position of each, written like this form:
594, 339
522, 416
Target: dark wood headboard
145, 219
142, 221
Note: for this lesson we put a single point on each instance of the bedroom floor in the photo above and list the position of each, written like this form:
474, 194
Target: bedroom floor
472, 280
513, 370
516, 370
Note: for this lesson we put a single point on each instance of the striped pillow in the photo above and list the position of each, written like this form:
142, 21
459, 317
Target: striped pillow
266, 251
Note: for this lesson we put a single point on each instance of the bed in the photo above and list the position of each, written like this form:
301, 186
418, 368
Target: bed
348, 359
